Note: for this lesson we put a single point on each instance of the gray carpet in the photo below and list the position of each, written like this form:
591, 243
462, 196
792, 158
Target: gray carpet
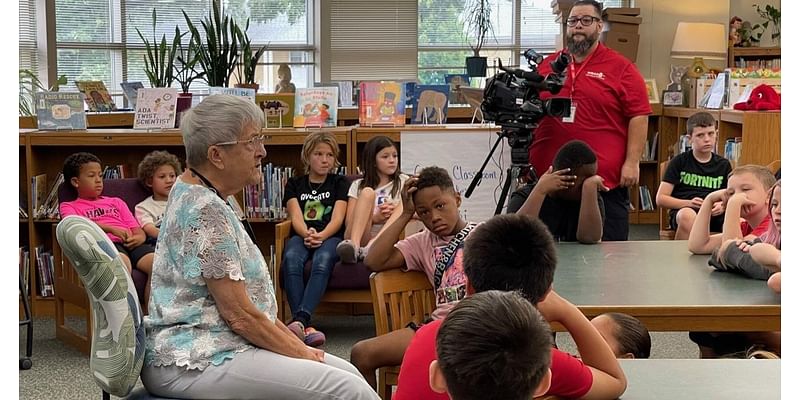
60, 372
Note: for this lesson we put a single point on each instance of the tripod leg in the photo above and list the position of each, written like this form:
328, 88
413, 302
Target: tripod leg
511, 176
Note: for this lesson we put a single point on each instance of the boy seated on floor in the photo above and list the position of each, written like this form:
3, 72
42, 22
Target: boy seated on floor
565, 197
692, 175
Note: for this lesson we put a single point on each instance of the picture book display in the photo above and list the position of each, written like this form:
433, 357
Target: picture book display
96, 95
429, 104
456, 81
316, 107
129, 90
278, 109
243, 92
60, 110
155, 108
382, 103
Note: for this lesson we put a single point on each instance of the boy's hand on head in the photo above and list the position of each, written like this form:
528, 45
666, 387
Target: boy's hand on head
551, 182
406, 195
595, 182
718, 209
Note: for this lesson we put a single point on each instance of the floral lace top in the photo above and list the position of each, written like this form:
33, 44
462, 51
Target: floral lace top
200, 238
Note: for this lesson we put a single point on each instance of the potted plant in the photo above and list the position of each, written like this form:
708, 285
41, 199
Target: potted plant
185, 72
219, 49
248, 61
772, 17
159, 58
478, 26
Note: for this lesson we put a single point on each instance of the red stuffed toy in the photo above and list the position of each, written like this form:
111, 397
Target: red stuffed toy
762, 98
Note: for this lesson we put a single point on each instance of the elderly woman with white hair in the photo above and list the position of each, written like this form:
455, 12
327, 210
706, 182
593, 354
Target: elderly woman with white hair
212, 331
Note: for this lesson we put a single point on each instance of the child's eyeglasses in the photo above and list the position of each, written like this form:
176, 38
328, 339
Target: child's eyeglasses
250, 143
586, 20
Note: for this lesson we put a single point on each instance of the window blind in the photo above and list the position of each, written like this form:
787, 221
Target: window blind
27, 36
373, 40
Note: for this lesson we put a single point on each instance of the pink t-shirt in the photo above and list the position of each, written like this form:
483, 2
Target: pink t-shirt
110, 211
420, 251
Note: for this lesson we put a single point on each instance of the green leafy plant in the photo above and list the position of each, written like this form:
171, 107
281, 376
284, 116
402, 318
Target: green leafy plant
188, 56
159, 58
219, 52
478, 24
29, 84
772, 18
246, 71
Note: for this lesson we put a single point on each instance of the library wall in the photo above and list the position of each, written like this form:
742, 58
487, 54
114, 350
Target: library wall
660, 19
744, 9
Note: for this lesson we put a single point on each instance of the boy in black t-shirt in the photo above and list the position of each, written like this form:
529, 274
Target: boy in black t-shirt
565, 198
691, 176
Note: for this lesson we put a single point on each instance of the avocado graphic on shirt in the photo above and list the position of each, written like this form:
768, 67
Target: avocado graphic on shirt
314, 210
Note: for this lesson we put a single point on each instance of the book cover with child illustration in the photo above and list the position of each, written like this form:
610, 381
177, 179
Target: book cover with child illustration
155, 108
96, 95
316, 107
382, 103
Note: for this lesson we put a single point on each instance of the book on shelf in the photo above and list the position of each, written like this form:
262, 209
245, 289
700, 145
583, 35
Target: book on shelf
155, 108
733, 150
265, 200
316, 107
429, 104
455, 81
129, 91
60, 110
49, 207
278, 109
382, 103
38, 192
410, 86
645, 201
96, 96
242, 92
119, 171
44, 269
345, 93
25, 267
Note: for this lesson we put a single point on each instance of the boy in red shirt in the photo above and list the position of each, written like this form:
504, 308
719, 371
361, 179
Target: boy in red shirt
515, 252
747, 197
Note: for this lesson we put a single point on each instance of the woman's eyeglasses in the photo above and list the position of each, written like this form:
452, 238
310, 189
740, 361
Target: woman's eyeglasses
586, 20
253, 141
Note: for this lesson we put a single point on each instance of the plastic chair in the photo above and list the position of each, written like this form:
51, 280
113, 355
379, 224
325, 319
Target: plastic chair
398, 298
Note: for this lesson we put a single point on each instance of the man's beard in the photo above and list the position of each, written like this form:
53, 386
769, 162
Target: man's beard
581, 47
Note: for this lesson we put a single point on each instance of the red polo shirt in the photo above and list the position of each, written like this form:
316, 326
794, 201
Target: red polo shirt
607, 90
570, 377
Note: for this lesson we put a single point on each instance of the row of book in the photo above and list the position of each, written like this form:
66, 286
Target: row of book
45, 200
119, 171
757, 64
650, 149
379, 103
44, 272
733, 150
645, 200
25, 267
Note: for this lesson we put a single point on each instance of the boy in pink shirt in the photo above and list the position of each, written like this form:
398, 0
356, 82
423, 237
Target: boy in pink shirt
83, 172
436, 251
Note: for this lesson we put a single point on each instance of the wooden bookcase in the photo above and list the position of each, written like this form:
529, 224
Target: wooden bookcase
648, 174
752, 54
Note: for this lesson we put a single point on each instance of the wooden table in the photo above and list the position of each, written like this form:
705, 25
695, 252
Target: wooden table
702, 379
664, 286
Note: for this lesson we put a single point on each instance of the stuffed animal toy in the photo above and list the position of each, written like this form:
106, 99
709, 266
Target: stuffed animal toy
762, 98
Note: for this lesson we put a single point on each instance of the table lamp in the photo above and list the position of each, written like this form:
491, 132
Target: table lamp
698, 41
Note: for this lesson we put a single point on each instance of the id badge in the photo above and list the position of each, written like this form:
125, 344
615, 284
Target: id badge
572, 109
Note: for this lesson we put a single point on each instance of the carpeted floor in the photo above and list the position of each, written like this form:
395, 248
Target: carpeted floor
60, 372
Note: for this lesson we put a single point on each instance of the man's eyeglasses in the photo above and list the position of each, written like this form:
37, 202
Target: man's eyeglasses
586, 20
250, 143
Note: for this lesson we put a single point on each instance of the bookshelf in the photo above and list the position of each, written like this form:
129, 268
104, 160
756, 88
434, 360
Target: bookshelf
648, 173
763, 57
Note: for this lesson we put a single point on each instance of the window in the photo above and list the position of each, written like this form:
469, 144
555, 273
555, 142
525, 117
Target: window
97, 39
27, 36
443, 43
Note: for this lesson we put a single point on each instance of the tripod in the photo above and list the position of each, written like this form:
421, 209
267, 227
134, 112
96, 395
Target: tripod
519, 143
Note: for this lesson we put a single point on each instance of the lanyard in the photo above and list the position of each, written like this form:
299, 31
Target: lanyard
573, 75
244, 221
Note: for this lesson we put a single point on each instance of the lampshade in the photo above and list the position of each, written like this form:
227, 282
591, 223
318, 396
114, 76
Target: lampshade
700, 39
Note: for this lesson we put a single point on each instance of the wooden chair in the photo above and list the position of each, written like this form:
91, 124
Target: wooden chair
398, 298
664, 230
774, 166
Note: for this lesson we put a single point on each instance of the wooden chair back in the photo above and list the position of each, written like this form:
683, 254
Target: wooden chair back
399, 298
664, 231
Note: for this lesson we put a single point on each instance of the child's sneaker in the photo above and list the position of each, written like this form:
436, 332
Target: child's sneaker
298, 329
314, 338
347, 251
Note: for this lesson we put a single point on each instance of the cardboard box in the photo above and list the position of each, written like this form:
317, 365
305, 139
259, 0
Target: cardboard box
624, 43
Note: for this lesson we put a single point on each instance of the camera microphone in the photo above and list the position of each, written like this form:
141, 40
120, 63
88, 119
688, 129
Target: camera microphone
532, 56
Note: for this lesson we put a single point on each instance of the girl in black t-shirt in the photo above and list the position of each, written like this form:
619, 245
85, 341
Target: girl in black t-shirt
316, 203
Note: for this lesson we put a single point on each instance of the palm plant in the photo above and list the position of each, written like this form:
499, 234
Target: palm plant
159, 58
246, 71
29, 84
188, 56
